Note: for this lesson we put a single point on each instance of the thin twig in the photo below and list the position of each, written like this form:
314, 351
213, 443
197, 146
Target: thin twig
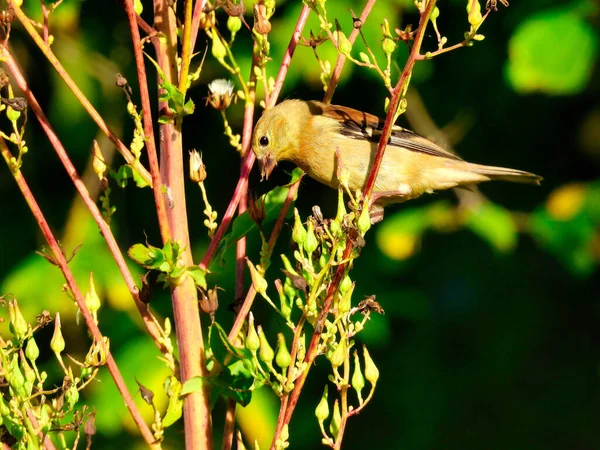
341, 59
79, 298
154, 329
122, 148
157, 188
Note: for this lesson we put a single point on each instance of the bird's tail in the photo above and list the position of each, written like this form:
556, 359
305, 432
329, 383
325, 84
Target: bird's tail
502, 173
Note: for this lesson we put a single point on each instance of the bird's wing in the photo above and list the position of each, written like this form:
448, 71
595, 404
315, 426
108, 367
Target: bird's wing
360, 125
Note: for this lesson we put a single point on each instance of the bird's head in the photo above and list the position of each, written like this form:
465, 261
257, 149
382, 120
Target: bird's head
274, 138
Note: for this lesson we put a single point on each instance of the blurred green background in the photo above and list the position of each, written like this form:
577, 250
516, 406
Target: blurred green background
490, 337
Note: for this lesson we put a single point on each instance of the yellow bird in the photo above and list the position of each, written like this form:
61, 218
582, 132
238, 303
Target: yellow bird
310, 133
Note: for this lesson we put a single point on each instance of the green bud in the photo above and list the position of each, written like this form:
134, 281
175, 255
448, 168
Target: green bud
92, 300
322, 410
364, 58
345, 302
234, 24
299, 232
266, 353
31, 350
258, 281
311, 243
336, 420
474, 12
358, 381
252, 340
338, 356
371, 370
18, 324
218, 49
364, 220
4, 408
345, 284
57, 344
15, 377
388, 44
283, 357
343, 44
72, 396
478, 37
288, 265
27, 370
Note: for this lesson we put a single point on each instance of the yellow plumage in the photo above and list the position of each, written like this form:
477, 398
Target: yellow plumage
308, 134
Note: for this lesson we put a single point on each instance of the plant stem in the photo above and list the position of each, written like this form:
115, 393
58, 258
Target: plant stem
196, 406
79, 298
157, 188
186, 46
122, 149
153, 327
341, 59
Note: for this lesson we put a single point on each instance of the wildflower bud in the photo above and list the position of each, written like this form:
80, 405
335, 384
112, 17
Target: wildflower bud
299, 232
257, 209
364, 58
474, 12
285, 306
210, 303
288, 265
252, 339
343, 44
218, 48
15, 377
261, 23
371, 370
207, 20
322, 410
336, 419
346, 301
31, 350
28, 372
92, 300
338, 356
311, 243
358, 381
364, 220
197, 168
72, 396
283, 357
18, 324
258, 281
266, 353
478, 37
234, 24
98, 163
220, 92
57, 344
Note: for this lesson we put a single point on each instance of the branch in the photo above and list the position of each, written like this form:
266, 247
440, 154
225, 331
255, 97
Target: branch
123, 150
79, 298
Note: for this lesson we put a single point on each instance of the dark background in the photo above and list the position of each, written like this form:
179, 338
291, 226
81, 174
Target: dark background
490, 334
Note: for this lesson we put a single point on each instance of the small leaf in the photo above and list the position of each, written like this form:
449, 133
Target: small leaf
194, 384
198, 275
148, 257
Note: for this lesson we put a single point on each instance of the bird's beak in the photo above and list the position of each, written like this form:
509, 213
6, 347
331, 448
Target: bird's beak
267, 163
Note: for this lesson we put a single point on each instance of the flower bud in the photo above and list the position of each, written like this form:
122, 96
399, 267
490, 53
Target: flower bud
197, 168
71, 396
288, 265
322, 410
28, 373
258, 281
358, 380
220, 91
311, 243
371, 370
57, 344
345, 302
336, 419
364, 58
338, 356
261, 23
301, 348
218, 49
364, 220
92, 300
283, 357
343, 44
18, 324
98, 163
207, 20
388, 45
31, 350
252, 339
234, 24
474, 12
299, 232
266, 353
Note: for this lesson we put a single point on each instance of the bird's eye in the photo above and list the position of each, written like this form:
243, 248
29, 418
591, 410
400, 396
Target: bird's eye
263, 141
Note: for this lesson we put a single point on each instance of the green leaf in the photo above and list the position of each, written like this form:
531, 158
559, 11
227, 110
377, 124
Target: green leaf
493, 224
122, 175
149, 257
552, 52
221, 348
175, 407
198, 275
194, 384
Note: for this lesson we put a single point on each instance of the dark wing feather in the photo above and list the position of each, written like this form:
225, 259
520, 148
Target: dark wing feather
360, 125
